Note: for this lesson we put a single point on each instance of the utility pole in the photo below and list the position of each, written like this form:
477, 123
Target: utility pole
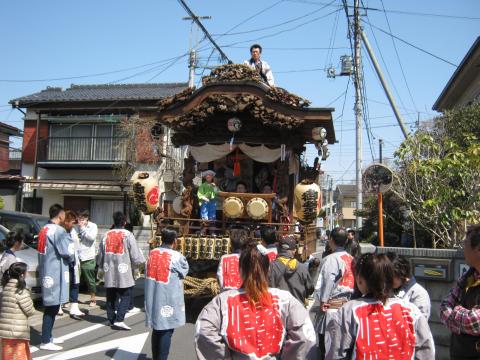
330, 204
380, 145
358, 107
390, 98
193, 43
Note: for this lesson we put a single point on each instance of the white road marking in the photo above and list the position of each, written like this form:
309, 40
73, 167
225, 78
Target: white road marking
128, 348
82, 331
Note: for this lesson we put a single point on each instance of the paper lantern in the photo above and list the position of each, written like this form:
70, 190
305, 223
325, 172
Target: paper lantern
306, 201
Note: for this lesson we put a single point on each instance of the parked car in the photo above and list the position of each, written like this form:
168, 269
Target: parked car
30, 224
29, 256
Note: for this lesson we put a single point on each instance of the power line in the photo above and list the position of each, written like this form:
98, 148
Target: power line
205, 31
282, 31
86, 76
295, 48
412, 45
462, 17
398, 58
310, 13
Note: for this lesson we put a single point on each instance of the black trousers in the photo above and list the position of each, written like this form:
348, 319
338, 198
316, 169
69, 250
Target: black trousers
113, 295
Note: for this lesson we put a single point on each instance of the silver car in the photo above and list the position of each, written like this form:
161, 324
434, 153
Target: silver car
29, 256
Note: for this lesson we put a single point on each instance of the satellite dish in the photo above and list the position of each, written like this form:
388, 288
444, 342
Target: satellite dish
377, 178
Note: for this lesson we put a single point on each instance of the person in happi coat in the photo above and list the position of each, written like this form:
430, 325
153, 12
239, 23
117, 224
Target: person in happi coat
287, 273
87, 231
254, 322
164, 297
260, 66
378, 325
13, 243
69, 225
335, 283
118, 254
270, 239
460, 310
228, 272
56, 252
405, 285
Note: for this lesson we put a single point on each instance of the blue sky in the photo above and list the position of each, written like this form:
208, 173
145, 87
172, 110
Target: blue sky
57, 39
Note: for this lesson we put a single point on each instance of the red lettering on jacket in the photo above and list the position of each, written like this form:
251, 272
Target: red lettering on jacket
42, 240
348, 280
384, 333
114, 242
272, 254
159, 266
254, 330
231, 272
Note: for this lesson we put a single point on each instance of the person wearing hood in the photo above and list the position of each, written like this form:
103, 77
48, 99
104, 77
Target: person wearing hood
286, 273
405, 285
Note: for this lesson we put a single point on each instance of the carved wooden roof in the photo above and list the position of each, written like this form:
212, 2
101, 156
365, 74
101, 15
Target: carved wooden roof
269, 115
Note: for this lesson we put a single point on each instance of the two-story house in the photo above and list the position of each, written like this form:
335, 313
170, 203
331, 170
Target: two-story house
74, 145
345, 199
10, 159
464, 86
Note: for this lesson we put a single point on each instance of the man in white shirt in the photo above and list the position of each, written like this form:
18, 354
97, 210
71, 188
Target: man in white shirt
87, 232
259, 65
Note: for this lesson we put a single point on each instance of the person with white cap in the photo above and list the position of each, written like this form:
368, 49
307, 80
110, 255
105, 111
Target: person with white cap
207, 194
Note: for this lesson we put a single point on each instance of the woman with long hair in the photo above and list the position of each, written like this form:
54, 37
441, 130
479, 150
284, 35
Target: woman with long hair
255, 321
16, 307
378, 325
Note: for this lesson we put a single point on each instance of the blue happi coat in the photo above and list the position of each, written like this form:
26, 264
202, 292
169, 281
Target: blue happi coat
56, 250
164, 298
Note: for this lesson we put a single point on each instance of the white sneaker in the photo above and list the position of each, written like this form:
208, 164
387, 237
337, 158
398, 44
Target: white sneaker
60, 311
121, 325
57, 341
134, 310
50, 347
75, 310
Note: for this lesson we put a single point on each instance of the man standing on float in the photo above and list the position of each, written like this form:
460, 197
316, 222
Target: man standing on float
261, 66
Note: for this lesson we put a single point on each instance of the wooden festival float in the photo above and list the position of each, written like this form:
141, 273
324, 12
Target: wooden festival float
245, 131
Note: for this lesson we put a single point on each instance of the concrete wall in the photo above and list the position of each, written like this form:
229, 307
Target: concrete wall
437, 289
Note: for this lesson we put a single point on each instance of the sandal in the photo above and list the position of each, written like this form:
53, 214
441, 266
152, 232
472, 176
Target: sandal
93, 304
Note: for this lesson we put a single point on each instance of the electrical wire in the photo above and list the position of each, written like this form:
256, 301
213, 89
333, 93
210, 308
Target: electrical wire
310, 13
295, 48
331, 43
283, 31
398, 58
412, 45
462, 17
87, 76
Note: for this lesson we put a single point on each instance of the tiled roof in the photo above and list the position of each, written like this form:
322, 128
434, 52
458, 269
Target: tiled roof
9, 129
347, 190
101, 92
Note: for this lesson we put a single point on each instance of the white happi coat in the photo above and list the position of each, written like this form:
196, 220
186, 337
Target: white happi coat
416, 294
164, 297
266, 72
228, 273
118, 255
56, 250
76, 268
367, 329
229, 328
336, 280
272, 252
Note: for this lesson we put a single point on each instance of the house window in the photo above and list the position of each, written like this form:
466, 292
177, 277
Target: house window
353, 204
85, 142
102, 211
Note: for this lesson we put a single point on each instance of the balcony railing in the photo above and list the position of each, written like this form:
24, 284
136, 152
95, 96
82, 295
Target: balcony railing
84, 149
